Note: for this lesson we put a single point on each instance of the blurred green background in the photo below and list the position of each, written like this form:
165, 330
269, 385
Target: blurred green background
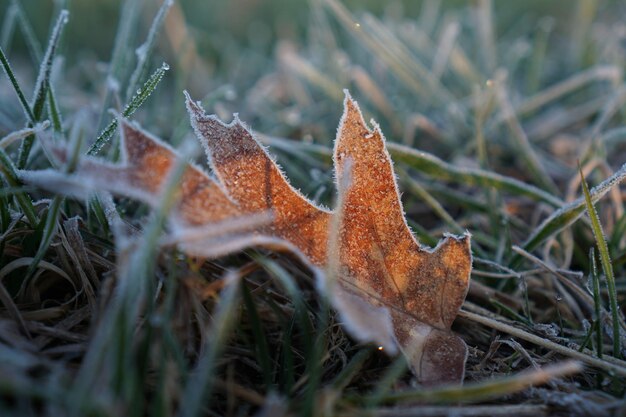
230, 48
93, 24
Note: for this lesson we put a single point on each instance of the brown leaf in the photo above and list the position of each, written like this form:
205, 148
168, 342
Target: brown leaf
253, 180
380, 257
388, 289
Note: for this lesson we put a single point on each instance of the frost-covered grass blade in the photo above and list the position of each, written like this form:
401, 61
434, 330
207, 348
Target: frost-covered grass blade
138, 99
20, 95
42, 86
607, 266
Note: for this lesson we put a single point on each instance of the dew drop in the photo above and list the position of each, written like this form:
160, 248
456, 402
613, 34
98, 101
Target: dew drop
165, 66
65, 16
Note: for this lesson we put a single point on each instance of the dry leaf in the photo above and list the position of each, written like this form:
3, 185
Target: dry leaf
386, 287
381, 261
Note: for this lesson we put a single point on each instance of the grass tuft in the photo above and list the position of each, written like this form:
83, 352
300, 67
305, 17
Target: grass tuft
607, 266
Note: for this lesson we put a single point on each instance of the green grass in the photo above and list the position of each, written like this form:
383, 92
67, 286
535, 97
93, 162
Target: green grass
488, 107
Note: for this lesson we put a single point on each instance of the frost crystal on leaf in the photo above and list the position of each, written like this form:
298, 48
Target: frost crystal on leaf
386, 287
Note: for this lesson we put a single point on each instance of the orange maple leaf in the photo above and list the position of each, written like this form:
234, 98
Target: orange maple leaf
388, 288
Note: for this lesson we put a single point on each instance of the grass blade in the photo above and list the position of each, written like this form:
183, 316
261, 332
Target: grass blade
200, 383
521, 143
42, 86
10, 174
54, 209
492, 388
597, 301
53, 111
8, 25
33, 45
261, 347
569, 213
605, 259
143, 52
609, 364
20, 95
436, 168
136, 102
121, 55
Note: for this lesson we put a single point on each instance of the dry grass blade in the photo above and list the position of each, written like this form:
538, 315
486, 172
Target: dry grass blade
611, 365
521, 410
14, 312
491, 389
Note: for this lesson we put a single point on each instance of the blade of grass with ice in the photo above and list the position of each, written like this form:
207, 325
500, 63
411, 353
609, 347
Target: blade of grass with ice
143, 52
568, 214
42, 86
557, 91
121, 55
8, 25
597, 301
521, 144
54, 113
54, 208
20, 95
33, 45
374, 44
7, 168
136, 102
605, 259
437, 168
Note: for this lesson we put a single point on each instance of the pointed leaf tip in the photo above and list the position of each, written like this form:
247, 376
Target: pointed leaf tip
352, 115
348, 101
193, 107
347, 95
